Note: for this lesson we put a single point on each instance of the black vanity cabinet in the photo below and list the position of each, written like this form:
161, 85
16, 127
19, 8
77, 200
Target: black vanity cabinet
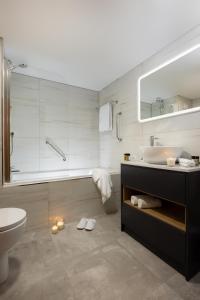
172, 231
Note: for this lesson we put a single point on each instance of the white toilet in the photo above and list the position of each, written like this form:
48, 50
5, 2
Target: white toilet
12, 224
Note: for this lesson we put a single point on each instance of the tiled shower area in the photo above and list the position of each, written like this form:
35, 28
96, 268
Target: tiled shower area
68, 115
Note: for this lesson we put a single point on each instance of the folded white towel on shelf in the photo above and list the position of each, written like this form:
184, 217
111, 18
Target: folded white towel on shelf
149, 202
184, 162
134, 200
104, 183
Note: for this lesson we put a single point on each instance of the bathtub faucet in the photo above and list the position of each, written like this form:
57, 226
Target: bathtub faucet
152, 140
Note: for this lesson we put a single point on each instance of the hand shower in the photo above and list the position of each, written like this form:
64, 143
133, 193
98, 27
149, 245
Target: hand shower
12, 142
12, 67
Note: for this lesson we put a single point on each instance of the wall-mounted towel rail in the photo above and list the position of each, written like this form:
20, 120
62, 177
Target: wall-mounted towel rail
56, 148
113, 102
117, 126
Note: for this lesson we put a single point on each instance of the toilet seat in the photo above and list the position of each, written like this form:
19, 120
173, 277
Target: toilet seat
11, 217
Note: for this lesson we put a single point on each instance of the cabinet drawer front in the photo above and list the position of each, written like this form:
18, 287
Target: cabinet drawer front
169, 185
165, 239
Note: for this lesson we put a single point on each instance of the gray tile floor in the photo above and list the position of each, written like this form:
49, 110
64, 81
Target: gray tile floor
105, 264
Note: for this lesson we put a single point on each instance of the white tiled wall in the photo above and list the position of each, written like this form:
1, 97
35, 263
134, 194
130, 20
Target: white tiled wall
181, 131
66, 114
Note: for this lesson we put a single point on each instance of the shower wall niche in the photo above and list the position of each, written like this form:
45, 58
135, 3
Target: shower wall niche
66, 114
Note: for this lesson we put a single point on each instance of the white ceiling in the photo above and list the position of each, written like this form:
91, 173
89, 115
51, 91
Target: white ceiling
90, 43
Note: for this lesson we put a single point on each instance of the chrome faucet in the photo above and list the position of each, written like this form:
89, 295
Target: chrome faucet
152, 140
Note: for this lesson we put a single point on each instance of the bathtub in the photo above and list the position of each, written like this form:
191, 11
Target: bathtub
21, 178
70, 194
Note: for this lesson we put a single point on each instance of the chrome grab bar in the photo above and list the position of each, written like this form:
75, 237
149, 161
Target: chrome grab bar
117, 126
56, 148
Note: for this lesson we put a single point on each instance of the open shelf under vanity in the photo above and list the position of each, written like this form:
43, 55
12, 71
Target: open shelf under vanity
170, 213
171, 231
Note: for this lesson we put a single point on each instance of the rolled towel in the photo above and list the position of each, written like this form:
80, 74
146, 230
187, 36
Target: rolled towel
149, 202
134, 200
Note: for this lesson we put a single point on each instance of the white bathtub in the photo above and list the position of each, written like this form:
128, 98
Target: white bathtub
20, 178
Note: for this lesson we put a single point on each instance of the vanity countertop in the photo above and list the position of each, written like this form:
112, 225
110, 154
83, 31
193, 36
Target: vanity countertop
177, 167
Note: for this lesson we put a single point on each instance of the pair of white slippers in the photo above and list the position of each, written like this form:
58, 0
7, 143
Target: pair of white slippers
87, 224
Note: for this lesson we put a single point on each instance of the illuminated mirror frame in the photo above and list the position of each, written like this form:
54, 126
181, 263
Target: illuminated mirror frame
189, 110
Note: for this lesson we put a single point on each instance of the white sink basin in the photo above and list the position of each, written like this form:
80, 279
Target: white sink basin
159, 154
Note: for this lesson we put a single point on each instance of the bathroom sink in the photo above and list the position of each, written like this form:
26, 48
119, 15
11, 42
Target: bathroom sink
159, 154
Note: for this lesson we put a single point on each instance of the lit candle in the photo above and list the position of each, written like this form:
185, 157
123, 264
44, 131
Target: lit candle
54, 229
171, 161
60, 225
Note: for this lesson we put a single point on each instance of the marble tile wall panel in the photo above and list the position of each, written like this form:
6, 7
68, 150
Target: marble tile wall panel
66, 114
25, 122
77, 198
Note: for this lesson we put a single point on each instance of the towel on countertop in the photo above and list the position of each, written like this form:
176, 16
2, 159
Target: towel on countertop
104, 183
105, 117
184, 162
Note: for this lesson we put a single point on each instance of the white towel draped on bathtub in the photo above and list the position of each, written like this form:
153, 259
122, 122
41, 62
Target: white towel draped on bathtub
104, 183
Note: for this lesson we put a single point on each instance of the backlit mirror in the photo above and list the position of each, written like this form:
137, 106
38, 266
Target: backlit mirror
172, 88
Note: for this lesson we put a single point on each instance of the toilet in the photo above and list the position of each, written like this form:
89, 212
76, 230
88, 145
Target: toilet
12, 224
